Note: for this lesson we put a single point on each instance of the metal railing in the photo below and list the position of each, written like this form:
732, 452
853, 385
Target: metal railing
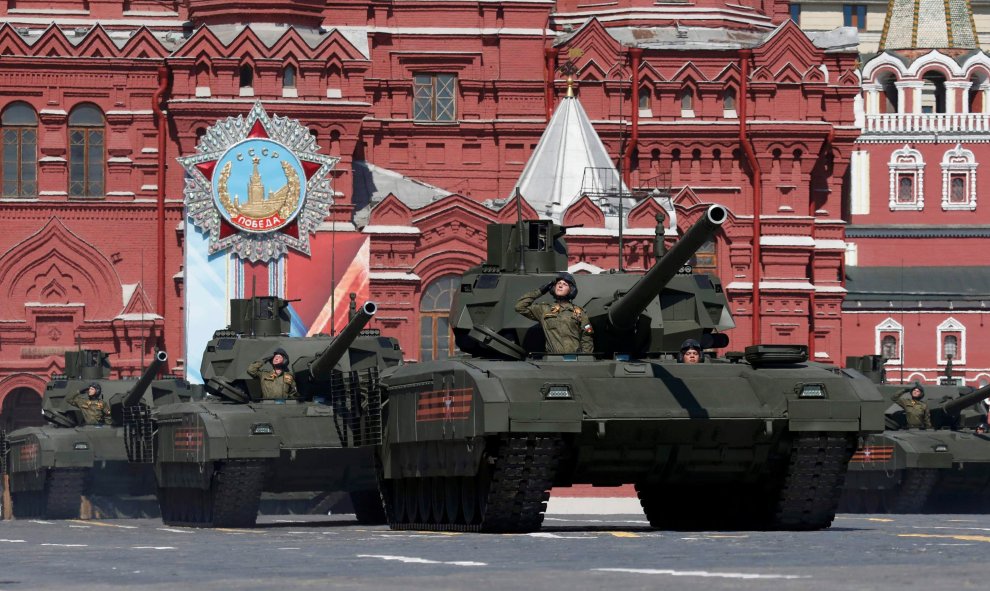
927, 123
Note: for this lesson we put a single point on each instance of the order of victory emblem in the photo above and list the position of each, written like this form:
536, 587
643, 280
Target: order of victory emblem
257, 187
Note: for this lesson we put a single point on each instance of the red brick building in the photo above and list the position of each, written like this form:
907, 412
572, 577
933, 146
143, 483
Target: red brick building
434, 111
918, 280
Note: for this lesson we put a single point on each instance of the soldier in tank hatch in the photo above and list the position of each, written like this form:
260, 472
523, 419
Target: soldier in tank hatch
566, 326
90, 401
915, 409
279, 383
690, 352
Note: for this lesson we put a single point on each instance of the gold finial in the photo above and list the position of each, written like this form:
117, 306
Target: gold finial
570, 87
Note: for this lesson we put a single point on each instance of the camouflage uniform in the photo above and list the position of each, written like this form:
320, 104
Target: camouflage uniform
916, 411
565, 325
94, 410
273, 386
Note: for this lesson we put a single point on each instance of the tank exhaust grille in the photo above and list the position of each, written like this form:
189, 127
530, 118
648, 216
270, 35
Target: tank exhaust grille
139, 435
357, 407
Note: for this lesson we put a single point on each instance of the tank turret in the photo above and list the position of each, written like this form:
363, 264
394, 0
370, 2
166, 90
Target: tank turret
258, 327
947, 413
639, 315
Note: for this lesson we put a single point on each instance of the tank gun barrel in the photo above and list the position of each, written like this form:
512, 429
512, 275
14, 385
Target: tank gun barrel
627, 308
321, 367
138, 390
956, 405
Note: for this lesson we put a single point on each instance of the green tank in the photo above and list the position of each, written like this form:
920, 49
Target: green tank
759, 439
213, 459
52, 468
902, 470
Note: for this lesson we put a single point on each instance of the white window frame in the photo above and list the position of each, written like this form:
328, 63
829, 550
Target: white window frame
951, 326
909, 161
889, 326
959, 160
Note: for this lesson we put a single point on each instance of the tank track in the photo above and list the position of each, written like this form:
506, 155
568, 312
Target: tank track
813, 481
509, 493
60, 499
232, 500
913, 492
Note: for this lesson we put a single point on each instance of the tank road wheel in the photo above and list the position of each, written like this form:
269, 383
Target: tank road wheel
368, 509
469, 500
64, 489
438, 495
913, 493
424, 495
813, 480
236, 494
190, 507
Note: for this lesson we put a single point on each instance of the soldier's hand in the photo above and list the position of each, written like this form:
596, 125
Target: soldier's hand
546, 288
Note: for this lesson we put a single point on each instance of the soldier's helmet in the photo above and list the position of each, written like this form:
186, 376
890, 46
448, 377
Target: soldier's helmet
920, 388
99, 389
280, 351
570, 280
688, 345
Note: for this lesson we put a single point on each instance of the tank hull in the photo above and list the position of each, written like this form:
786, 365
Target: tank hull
656, 424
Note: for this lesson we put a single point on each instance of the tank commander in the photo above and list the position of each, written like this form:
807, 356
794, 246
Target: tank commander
566, 326
279, 383
690, 351
90, 401
915, 409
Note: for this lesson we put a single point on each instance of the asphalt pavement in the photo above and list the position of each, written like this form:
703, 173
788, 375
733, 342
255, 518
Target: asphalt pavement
572, 552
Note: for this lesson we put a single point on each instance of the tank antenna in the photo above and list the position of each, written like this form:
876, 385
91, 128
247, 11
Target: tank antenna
519, 232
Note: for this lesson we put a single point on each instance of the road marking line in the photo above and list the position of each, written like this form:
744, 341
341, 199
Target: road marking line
415, 560
540, 534
727, 536
152, 547
66, 545
228, 530
102, 524
960, 537
698, 573
289, 548
79, 526
174, 531
14, 541
41, 522
623, 534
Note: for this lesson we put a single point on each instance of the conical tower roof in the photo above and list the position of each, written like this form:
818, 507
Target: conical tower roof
569, 160
929, 24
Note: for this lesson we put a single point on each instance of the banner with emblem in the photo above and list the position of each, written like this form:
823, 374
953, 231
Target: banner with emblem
257, 195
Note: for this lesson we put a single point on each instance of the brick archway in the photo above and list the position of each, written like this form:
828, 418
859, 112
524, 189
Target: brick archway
16, 392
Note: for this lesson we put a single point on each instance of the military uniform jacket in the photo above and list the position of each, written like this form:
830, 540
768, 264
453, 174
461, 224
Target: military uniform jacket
95, 412
916, 411
273, 386
565, 325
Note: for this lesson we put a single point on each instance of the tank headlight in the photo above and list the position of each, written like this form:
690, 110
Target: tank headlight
941, 447
80, 446
557, 392
811, 391
262, 429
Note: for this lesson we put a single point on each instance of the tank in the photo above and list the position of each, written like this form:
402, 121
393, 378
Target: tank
69, 469
213, 459
756, 439
940, 470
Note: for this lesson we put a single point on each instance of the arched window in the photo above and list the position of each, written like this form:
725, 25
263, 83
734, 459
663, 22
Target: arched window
933, 93
246, 80
289, 77
705, 260
435, 337
729, 102
975, 97
950, 346
86, 151
889, 347
889, 102
21, 408
687, 103
20, 150
959, 179
644, 99
907, 174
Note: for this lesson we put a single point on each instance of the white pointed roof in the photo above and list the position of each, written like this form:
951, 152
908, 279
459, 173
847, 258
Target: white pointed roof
569, 160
